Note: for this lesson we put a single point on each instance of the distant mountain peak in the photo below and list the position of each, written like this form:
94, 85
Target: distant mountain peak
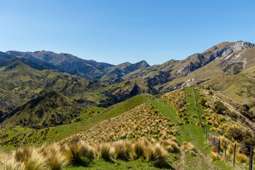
143, 62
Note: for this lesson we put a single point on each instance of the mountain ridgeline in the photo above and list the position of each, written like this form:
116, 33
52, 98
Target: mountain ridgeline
29, 79
58, 111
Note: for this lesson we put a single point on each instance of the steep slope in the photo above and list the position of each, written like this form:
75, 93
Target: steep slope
115, 83
216, 66
6, 59
116, 73
65, 63
23, 77
68, 63
20, 82
179, 115
16, 136
47, 109
232, 75
157, 77
187, 117
141, 121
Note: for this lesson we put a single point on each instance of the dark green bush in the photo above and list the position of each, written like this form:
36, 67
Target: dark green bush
220, 108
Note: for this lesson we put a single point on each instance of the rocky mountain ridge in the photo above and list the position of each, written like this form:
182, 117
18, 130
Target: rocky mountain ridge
25, 75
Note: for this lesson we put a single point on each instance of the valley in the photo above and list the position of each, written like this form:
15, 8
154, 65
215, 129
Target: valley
59, 111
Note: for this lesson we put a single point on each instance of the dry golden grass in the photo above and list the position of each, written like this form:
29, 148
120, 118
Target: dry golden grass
11, 164
36, 162
215, 156
30, 159
171, 146
106, 152
241, 158
187, 146
226, 149
54, 157
141, 121
77, 152
176, 98
123, 150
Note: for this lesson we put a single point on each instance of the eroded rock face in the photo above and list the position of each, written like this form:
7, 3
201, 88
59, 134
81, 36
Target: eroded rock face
161, 78
224, 50
236, 61
121, 94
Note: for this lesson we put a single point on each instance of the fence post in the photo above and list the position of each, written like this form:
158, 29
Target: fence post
251, 157
234, 157
218, 146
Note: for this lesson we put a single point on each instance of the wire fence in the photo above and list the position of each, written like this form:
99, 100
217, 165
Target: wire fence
228, 150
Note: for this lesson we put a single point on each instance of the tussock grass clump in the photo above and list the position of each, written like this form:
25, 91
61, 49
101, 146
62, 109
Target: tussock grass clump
66, 152
154, 152
22, 155
57, 156
54, 158
87, 153
107, 152
171, 146
241, 158
215, 156
30, 159
7, 163
143, 149
159, 157
80, 153
36, 162
189, 147
123, 150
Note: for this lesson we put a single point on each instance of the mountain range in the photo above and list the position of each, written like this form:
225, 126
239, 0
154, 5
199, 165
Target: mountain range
228, 67
58, 111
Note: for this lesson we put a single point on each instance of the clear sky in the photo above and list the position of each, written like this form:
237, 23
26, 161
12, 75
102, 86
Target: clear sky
115, 31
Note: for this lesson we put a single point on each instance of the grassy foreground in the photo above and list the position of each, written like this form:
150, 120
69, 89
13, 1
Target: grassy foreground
20, 136
123, 165
184, 124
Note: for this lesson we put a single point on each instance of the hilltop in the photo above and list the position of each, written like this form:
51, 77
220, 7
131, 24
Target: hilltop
189, 119
199, 109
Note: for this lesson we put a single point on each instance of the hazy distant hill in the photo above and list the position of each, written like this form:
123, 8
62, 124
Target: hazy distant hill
65, 63
68, 63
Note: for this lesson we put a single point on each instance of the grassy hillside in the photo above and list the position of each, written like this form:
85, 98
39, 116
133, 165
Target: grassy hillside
48, 109
188, 134
180, 117
19, 83
122, 165
18, 136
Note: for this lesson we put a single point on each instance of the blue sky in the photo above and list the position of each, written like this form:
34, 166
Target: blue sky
116, 31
